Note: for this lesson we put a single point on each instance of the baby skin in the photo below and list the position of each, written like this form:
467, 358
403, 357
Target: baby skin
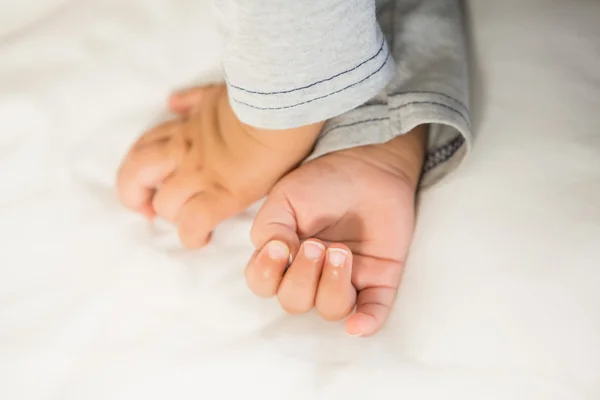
345, 219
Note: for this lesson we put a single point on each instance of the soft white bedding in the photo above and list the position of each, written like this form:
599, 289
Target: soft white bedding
501, 297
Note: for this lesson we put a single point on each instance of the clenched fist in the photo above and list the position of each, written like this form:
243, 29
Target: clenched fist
206, 166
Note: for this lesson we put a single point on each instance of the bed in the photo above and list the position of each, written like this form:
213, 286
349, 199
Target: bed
501, 295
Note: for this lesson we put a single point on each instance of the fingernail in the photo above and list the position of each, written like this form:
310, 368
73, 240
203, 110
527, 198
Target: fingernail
337, 257
313, 250
354, 334
278, 250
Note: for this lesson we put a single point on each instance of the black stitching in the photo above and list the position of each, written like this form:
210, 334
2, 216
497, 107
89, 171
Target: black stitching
316, 83
320, 97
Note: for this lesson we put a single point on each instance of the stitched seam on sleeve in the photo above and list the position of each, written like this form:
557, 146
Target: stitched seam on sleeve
465, 118
433, 158
320, 97
353, 124
442, 154
397, 94
315, 83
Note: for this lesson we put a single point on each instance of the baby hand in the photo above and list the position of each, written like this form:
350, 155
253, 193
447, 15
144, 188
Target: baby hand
347, 220
207, 166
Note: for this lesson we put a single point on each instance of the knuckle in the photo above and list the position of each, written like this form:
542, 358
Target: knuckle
254, 231
333, 315
121, 192
261, 281
261, 291
334, 308
192, 238
256, 234
296, 299
191, 243
126, 196
295, 306
164, 208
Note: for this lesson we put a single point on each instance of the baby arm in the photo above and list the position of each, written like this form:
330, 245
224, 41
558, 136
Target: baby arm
287, 70
350, 236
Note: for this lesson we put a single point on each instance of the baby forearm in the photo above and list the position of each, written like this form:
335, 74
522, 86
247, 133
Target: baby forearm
296, 142
405, 154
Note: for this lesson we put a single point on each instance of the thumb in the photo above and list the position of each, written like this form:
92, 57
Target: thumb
276, 220
375, 299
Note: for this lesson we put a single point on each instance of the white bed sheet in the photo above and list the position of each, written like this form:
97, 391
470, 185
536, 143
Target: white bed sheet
501, 295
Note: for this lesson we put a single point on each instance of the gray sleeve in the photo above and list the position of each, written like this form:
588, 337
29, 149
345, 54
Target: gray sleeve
289, 63
431, 86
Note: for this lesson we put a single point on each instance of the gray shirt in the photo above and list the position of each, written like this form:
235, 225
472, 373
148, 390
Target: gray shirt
372, 69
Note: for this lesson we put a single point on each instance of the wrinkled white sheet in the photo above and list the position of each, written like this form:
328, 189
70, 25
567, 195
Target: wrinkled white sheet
501, 296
